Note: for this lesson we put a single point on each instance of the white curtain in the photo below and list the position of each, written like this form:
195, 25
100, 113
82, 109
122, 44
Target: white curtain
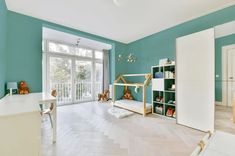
105, 69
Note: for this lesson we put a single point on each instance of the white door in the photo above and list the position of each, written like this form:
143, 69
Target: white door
60, 75
230, 76
83, 81
195, 80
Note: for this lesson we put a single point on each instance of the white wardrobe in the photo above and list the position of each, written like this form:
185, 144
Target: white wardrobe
195, 84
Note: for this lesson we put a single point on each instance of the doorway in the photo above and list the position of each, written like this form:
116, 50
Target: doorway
75, 72
228, 75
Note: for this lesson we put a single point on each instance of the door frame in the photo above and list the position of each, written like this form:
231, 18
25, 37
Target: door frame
46, 71
225, 72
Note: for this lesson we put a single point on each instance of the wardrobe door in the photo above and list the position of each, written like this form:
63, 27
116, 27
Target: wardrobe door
195, 80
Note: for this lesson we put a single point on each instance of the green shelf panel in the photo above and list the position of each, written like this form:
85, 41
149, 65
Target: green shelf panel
169, 104
168, 83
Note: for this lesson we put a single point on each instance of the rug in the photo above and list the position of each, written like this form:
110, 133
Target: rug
119, 113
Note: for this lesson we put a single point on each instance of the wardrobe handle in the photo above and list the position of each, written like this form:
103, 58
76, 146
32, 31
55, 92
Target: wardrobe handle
230, 77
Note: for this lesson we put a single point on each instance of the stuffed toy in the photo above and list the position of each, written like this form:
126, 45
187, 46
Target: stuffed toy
23, 88
170, 112
127, 94
160, 99
174, 115
104, 96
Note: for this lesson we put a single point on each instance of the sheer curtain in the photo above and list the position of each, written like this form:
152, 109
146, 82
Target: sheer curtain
105, 69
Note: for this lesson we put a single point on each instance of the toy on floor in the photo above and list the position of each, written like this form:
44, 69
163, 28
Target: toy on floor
104, 96
23, 88
127, 94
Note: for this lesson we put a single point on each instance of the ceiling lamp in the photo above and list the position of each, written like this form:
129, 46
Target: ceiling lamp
78, 41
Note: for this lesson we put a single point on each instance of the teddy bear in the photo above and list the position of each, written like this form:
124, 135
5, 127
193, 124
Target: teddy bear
23, 88
127, 94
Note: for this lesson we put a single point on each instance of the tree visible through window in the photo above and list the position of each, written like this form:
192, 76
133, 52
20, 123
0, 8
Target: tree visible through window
60, 70
75, 72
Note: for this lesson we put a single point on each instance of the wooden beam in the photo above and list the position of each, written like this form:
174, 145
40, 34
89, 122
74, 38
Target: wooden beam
118, 78
123, 80
147, 79
129, 84
144, 100
114, 94
129, 75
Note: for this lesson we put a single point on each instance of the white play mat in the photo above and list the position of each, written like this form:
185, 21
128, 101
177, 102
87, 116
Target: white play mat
119, 113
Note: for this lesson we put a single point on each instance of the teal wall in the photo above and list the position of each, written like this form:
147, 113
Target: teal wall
162, 45
3, 48
219, 43
24, 55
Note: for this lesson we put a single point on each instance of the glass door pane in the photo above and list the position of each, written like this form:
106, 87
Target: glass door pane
83, 80
60, 76
98, 78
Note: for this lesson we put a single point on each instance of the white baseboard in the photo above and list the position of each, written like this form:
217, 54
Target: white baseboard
218, 103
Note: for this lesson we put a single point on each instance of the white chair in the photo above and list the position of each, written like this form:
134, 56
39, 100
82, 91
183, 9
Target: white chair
49, 110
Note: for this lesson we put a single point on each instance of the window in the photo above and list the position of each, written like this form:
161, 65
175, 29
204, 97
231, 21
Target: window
59, 48
75, 72
98, 55
98, 78
66, 49
83, 52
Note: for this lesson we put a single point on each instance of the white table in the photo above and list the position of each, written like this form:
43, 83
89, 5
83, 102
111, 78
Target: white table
20, 124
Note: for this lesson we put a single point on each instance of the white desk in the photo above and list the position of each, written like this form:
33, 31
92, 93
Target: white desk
220, 144
20, 124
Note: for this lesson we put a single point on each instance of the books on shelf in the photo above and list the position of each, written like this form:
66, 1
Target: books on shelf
158, 75
169, 75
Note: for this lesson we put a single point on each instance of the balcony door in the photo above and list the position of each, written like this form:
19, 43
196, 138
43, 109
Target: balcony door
83, 81
76, 73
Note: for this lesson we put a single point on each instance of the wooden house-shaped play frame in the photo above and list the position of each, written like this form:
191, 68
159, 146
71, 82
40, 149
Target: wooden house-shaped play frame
133, 105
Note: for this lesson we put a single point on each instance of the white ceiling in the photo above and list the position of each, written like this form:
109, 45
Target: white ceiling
124, 20
50, 34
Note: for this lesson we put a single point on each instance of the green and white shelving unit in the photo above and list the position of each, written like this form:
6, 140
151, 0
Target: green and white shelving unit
163, 90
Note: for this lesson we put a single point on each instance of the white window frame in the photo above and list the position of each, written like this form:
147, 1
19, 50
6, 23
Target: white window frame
46, 63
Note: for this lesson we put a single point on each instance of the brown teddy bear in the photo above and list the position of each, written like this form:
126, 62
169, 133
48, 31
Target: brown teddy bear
127, 94
23, 88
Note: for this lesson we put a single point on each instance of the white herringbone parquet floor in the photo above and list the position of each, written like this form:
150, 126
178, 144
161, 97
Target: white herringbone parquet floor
88, 130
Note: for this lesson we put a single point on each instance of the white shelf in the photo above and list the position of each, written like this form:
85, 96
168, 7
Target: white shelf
169, 91
166, 65
164, 116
